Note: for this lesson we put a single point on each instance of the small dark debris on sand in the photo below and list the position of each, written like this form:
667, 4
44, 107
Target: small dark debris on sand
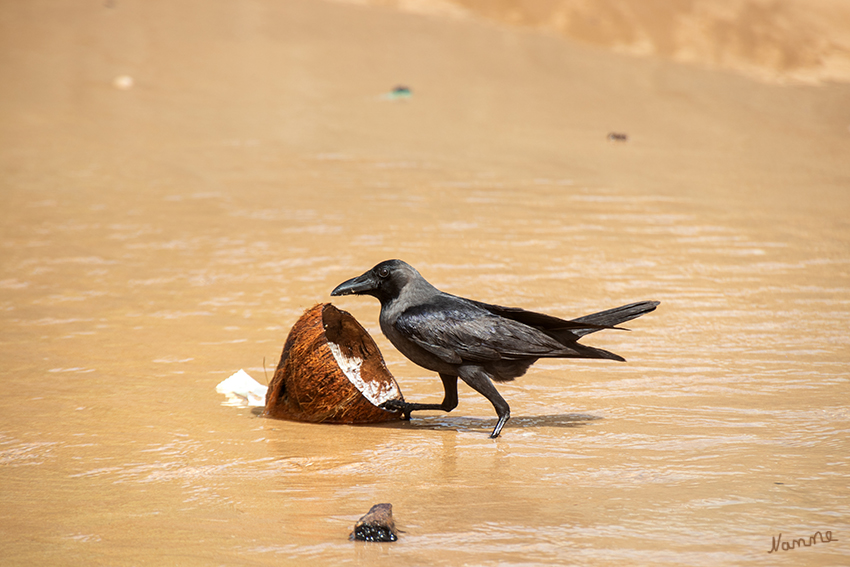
376, 525
618, 137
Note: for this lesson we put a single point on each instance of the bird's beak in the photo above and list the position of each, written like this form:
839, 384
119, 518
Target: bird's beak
356, 286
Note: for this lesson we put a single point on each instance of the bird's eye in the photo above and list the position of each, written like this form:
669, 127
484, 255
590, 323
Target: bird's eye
383, 272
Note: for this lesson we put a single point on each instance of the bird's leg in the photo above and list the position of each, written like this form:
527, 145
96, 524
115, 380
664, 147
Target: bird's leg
449, 400
481, 383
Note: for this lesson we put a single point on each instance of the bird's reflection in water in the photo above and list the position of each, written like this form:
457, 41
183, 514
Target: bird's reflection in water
464, 424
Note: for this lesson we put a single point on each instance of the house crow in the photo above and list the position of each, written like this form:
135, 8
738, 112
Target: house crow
474, 341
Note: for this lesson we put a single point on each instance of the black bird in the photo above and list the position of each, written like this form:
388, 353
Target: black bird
474, 341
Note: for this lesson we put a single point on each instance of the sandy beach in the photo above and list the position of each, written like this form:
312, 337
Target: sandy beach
182, 180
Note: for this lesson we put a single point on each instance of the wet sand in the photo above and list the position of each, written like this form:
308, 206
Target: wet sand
160, 235
782, 41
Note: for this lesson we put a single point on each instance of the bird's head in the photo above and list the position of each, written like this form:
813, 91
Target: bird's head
385, 281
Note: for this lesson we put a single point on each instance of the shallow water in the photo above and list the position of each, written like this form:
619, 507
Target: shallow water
727, 425
134, 281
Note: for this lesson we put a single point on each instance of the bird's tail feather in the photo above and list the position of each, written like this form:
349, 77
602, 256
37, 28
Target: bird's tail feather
613, 317
585, 351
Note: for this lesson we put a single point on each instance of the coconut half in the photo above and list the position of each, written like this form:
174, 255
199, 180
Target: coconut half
331, 371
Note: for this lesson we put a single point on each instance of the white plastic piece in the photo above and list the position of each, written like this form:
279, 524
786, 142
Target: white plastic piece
242, 391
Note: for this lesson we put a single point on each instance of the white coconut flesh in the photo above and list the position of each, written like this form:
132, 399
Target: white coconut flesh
376, 391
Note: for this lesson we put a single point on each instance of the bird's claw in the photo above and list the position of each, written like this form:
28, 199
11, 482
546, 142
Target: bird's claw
398, 406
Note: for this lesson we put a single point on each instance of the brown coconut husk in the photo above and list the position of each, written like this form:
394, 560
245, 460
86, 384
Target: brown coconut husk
331, 371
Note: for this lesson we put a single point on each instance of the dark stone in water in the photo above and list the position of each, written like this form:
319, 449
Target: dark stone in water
376, 525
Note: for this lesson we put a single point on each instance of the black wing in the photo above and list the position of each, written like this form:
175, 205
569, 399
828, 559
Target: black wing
458, 331
562, 330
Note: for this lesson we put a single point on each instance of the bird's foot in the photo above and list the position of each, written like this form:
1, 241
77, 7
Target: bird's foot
503, 419
398, 406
